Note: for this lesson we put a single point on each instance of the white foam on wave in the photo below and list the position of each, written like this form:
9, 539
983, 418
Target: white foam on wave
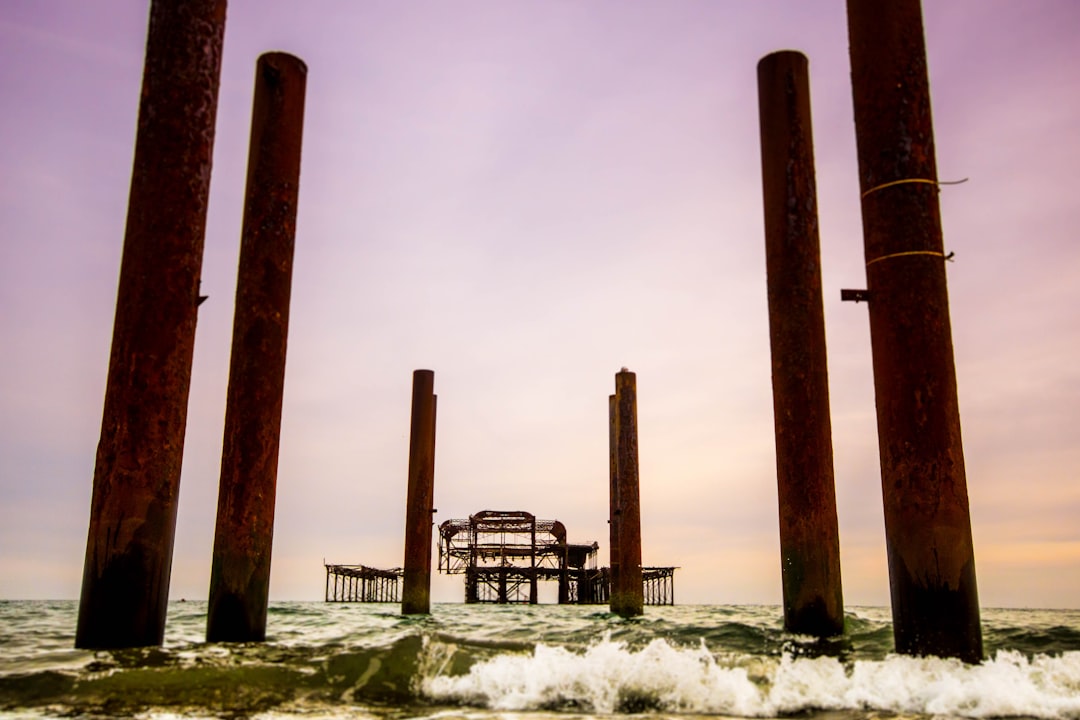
608, 677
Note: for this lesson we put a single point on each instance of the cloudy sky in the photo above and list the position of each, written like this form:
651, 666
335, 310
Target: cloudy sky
524, 197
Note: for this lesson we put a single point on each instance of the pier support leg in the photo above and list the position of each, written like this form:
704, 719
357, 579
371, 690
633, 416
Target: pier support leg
809, 537
627, 597
927, 522
416, 586
240, 574
125, 586
613, 494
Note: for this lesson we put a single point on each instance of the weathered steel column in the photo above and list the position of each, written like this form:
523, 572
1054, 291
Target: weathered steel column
927, 522
809, 537
416, 585
613, 494
627, 597
125, 586
240, 575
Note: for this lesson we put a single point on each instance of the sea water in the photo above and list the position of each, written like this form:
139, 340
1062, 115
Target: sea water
540, 662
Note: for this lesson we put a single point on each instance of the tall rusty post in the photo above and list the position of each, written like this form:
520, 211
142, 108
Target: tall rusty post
125, 586
927, 522
809, 536
613, 493
240, 575
416, 583
628, 596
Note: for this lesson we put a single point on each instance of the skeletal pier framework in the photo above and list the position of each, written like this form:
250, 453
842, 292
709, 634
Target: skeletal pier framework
359, 583
504, 555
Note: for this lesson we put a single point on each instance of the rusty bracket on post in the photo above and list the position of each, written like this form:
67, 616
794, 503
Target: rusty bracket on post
855, 296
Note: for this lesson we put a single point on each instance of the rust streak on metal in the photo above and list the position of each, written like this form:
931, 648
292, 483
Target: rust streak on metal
809, 537
927, 519
125, 586
416, 582
240, 576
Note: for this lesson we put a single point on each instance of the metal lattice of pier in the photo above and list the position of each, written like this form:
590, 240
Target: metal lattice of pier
659, 585
505, 554
359, 583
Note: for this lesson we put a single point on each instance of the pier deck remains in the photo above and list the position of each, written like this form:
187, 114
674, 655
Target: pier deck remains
504, 555
359, 583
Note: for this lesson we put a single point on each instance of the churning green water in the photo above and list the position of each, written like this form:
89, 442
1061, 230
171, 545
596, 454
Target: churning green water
531, 662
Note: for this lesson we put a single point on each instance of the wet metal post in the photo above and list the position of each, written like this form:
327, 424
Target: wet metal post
240, 575
416, 583
628, 597
125, 586
927, 522
809, 538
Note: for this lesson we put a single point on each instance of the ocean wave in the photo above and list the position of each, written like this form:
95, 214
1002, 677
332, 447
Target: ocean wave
609, 678
534, 663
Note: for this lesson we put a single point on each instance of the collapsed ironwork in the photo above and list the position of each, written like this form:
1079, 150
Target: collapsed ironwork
358, 583
504, 555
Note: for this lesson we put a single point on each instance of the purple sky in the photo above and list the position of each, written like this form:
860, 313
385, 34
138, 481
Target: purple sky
524, 197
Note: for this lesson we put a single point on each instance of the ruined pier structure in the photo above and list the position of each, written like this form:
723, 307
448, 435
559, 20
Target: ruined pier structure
543, 556
137, 470
504, 555
358, 583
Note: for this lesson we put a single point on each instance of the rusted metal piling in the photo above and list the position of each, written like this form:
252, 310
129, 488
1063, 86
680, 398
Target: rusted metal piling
927, 521
627, 597
240, 575
809, 538
613, 493
125, 586
416, 582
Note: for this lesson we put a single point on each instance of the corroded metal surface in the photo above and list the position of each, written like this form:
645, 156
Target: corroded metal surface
240, 575
416, 583
613, 493
809, 538
125, 584
927, 521
627, 598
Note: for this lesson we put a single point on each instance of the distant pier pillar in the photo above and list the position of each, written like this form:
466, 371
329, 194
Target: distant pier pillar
628, 596
416, 583
809, 538
613, 493
240, 575
125, 585
927, 521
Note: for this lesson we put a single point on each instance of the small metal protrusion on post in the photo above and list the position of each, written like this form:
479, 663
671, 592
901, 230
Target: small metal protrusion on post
855, 296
